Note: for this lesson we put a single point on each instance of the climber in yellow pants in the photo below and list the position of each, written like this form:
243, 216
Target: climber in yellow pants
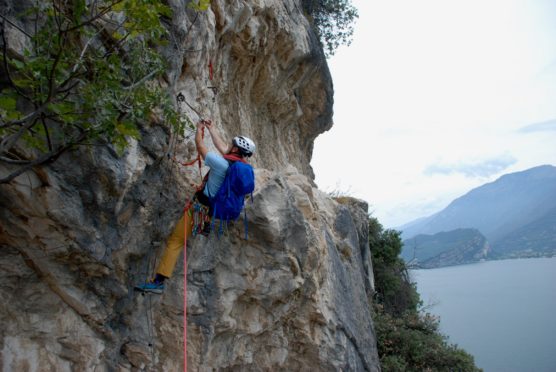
174, 245
240, 147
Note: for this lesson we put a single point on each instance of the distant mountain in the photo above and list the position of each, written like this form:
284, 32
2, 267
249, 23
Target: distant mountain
516, 213
496, 209
455, 247
535, 239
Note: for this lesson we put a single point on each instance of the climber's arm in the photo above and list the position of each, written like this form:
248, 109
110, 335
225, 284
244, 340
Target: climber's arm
201, 148
220, 145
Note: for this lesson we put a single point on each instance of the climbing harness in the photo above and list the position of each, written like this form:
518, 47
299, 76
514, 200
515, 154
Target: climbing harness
200, 218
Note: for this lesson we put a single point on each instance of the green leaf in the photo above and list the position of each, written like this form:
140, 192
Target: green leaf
127, 128
117, 35
13, 115
22, 83
165, 10
199, 5
119, 7
17, 63
79, 7
7, 103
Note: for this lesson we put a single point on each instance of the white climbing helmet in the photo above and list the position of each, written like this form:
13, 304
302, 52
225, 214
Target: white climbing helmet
245, 145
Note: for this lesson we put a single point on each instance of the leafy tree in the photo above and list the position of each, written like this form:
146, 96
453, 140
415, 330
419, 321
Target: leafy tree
87, 75
407, 339
333, 22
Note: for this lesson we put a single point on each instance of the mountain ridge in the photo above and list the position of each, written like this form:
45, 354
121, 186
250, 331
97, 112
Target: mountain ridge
518, 201
446, 248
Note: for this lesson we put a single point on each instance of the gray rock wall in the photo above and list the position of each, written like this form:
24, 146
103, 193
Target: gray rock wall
77, 235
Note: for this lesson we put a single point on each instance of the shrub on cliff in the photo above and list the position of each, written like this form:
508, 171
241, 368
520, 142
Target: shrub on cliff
394, 289
333, 22
85, 75
413, 343
407, 339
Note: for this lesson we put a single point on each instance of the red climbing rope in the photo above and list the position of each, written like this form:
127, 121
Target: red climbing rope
185, 222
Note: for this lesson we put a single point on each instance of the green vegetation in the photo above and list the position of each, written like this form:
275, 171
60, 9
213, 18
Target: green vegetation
199, 5
333, 22
408, 339
87, 75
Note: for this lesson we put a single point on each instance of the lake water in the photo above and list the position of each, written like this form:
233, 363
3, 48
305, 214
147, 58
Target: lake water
501, 312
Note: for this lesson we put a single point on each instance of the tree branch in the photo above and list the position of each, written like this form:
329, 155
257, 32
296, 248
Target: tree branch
95, 17
10, 141
73, 74
47, 133
52, 77
7, 67
144, 79
13, 161
30, 116
45, 158
15, 26
57, 13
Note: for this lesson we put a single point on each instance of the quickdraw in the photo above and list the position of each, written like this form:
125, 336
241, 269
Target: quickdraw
181, 99
201, 218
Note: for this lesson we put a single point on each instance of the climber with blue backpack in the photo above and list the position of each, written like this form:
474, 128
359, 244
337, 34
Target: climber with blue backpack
221, 195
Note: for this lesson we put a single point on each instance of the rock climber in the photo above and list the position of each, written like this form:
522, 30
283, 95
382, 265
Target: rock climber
240, 148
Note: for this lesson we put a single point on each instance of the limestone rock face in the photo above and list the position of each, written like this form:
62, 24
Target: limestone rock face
294, 296
270, 80
77, 235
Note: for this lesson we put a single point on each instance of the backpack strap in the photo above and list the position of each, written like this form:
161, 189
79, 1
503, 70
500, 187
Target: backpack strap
245, 222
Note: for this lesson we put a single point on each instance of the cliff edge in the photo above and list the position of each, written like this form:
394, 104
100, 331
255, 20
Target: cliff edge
78, 234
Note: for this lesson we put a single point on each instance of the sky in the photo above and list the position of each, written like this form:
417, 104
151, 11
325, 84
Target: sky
436, 97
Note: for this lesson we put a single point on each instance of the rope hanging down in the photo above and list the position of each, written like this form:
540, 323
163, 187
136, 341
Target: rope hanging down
181, 99
185, 290
186, 221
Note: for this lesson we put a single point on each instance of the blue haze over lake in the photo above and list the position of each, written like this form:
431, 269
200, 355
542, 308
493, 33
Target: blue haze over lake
501, 312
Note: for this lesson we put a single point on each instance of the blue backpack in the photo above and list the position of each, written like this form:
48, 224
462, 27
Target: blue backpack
229, 200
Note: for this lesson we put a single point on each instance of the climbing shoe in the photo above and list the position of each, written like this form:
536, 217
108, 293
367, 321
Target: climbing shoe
152, 287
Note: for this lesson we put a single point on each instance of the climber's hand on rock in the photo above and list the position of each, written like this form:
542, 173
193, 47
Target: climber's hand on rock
207, 124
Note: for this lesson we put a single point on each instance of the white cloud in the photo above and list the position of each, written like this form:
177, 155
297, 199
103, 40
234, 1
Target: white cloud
431, 93
545, 126
483, 169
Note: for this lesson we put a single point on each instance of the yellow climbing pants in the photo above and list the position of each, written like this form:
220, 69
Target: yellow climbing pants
174, 245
